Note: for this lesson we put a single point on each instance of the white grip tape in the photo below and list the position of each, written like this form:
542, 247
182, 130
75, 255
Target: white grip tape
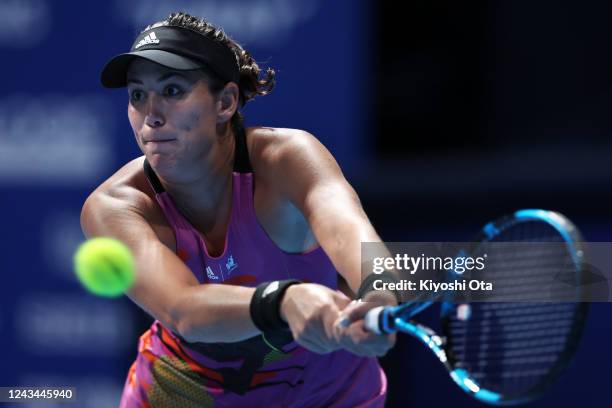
372, 318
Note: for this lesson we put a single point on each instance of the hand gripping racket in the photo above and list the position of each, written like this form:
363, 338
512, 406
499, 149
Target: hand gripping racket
507, 352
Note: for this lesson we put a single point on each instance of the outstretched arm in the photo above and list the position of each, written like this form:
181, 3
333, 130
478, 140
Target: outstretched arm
164, 285
314, 183
166, 288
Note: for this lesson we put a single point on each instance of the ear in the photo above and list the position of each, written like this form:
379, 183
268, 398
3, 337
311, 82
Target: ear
227, 102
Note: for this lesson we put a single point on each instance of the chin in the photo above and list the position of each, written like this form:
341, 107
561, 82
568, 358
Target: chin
165, 166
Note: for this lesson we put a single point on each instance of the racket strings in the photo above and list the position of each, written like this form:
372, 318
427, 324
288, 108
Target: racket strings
529, 268
531, 322
523, 351
516, 348
511, 358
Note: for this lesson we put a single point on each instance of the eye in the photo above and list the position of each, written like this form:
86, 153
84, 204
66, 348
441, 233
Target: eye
136, 95
173, 91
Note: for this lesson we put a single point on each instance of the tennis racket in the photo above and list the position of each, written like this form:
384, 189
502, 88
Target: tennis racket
507, 352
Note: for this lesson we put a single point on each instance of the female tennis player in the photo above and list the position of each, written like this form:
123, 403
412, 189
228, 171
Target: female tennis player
237, 235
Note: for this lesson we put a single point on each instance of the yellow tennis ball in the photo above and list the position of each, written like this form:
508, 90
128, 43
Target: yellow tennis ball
105, 266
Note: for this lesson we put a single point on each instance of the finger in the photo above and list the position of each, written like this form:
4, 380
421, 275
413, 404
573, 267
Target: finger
359, 341
356, 311
313, 345
359, 349
344, 319
332, 329
322, 333
375, 340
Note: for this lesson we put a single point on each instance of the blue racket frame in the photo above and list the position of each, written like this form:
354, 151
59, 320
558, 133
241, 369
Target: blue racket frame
393, 319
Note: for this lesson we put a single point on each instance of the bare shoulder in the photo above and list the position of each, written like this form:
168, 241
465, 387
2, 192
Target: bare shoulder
126, 192
271, 146
127, 185
268, 139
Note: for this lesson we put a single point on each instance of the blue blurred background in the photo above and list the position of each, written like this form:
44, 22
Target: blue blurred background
442, 115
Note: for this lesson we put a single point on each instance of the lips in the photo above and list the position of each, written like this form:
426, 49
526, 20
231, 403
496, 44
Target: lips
158, 140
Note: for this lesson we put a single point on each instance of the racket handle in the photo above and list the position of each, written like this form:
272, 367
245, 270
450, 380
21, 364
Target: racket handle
371, 321
377, 320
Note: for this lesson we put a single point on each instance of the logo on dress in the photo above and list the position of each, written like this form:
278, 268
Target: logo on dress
230, 264
211, 274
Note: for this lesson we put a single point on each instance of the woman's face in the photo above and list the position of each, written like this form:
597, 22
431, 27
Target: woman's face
172, 113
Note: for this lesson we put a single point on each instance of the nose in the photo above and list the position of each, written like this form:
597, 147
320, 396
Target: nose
154, 117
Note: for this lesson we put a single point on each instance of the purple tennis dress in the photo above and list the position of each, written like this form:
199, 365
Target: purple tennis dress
270, 372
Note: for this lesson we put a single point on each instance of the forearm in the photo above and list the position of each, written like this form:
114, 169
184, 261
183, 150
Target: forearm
214, 313
166, 288
344, 249
341, 226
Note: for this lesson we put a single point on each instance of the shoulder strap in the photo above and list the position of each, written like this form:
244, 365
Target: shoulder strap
242, 164
152, 177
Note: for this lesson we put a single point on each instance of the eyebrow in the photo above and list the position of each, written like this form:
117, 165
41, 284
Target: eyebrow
164, 77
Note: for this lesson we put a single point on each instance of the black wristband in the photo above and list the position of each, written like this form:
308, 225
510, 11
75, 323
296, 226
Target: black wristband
265, 305
368, 284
